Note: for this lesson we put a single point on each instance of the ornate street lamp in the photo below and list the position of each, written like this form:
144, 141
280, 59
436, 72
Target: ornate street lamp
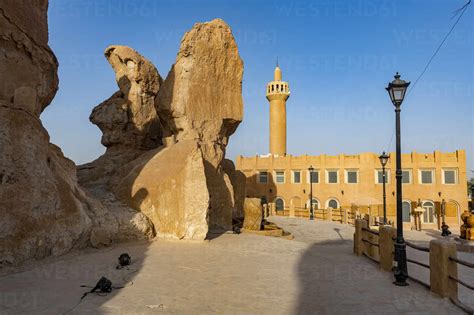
311, 212
383, 160
397, 90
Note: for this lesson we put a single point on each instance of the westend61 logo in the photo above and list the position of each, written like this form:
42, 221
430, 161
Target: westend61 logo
84, 8
339, 62
243, 36
13, 301
337, 8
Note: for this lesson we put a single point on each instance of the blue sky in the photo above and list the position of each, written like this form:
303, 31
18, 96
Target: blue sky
337, 56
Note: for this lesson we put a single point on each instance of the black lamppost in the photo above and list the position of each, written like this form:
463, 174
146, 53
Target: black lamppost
311, 212
383, 160
472, 196
397, 89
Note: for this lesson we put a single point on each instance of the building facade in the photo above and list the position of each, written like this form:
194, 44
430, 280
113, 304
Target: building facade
345, 181
435, 181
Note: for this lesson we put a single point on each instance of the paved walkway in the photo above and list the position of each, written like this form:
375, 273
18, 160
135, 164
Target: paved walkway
316, 273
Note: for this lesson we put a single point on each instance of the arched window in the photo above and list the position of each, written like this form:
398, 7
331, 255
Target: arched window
333, 203
429, 214
315, 204
278, 87
406, 211
273, 87
279, 204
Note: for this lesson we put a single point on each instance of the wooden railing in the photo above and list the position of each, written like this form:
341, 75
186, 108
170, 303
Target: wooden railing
378, 246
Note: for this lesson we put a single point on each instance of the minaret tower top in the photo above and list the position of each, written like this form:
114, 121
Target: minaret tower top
278, 89
278, 92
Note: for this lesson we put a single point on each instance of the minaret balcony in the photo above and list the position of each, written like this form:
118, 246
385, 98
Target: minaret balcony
278, 88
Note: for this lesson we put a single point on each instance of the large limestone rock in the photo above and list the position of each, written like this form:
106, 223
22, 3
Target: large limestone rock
201, 99
43, 210
128, 119
253, 214
237, 180
169, 186
181, 186
41, 206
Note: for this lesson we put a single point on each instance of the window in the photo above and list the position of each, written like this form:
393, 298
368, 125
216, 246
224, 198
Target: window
279, 204
313, 176
379, 176
428, 215
426, 176
406, 211
332, 203
296, 177
406, 176
352, 176
332, 177
450, 177
263, 177
315, 204
280, 177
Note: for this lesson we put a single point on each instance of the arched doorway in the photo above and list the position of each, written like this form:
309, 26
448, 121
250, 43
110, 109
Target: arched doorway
406, 211
279, 204
296, 202
452, 210
429, 214
315, 203
295, 206
332, 203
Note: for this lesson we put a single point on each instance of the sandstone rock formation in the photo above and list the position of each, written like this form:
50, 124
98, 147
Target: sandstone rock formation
169, 186
182, 186
43, 210
237, 180
128, 119
165, 144
253, 214
201, 99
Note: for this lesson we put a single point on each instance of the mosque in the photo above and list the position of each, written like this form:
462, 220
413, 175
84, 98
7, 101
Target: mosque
436, 181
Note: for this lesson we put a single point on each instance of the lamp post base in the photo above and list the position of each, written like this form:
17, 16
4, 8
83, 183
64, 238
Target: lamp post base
401, 271
400, 284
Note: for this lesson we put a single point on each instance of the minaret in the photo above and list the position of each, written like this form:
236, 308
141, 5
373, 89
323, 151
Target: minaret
277, 93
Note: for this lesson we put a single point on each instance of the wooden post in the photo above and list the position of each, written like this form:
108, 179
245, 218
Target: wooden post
358, 236
386, 247
441, 267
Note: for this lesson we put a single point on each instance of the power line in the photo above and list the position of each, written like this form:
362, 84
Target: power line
459, 12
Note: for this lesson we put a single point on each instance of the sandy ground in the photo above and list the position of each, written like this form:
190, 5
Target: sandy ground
316, 273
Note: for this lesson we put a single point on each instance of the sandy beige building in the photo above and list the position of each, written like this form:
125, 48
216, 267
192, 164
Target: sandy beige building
436, 180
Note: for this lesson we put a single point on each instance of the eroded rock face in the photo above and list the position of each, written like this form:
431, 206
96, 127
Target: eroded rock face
41, 209
253, 214
169, 186
237, 180
201, 99
128, 119
181, 186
